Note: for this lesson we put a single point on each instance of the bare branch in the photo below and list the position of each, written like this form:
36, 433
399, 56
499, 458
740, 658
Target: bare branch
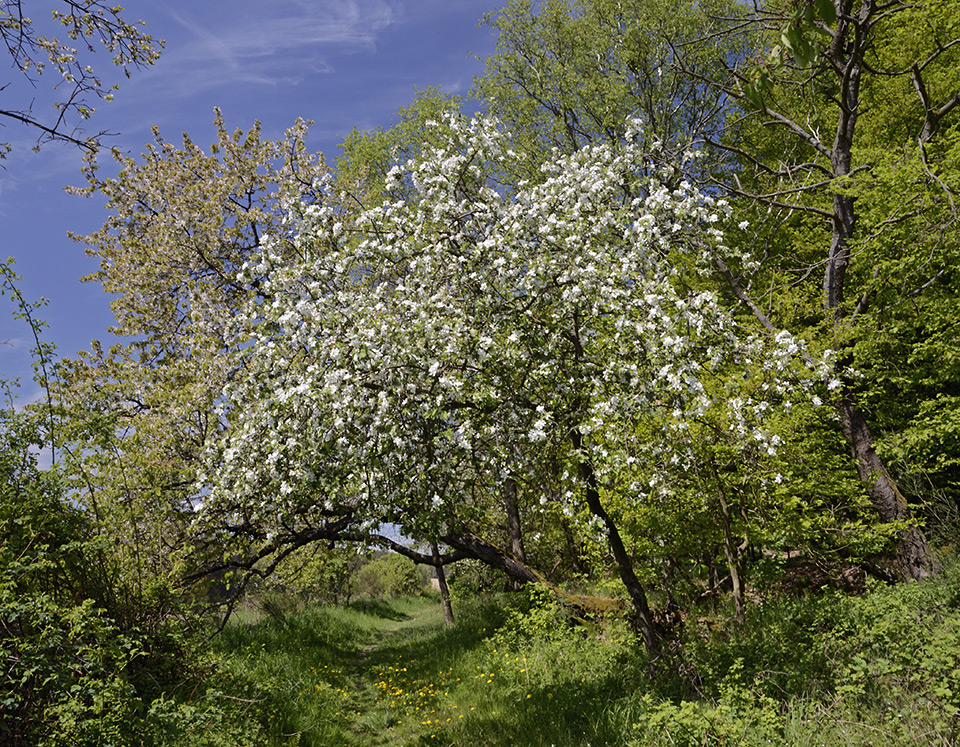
744, 297
88, 144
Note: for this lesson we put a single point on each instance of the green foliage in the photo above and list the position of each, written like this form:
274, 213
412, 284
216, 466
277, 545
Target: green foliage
135, 414
86, 660
543, 614
469, 578
741, 717
558, 647
909, 360
387, 577
826, 670
89, 658
318, 573
70, 671
95, 648
798, 45
898, 649
570, 72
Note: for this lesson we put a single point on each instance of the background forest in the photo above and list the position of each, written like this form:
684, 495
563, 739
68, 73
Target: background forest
645, 353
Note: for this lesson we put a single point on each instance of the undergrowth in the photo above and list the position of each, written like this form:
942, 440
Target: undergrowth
523, 669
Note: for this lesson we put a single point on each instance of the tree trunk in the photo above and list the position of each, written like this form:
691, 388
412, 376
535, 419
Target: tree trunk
915, 560
638, 596
514, 531
493, 556
845, 58
444, 589
576, 560
734, 555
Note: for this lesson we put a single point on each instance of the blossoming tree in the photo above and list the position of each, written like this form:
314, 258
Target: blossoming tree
418, 358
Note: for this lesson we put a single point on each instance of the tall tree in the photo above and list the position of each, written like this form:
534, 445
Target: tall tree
840, 149
183, 221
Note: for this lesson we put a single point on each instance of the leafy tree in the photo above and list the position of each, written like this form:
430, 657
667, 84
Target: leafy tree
878, 237
83, 25
319, 572
388, 576
137, 414
569, 72
532, 516
366, 156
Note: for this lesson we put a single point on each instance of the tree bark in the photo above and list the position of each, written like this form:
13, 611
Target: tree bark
495, 557
733, 553
638, 595
514, 531
442, 583
915, 560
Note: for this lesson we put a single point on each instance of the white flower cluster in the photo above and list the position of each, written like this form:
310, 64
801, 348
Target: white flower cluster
417, 356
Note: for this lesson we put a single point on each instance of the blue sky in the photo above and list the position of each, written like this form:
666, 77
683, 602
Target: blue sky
340, 63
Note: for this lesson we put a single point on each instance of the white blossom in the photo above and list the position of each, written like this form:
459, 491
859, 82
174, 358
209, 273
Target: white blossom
425, 348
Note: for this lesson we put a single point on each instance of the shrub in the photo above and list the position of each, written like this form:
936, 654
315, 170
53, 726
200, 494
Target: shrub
85, 659
387, 577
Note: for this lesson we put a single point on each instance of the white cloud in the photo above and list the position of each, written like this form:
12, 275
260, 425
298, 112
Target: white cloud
12, 344
252, 43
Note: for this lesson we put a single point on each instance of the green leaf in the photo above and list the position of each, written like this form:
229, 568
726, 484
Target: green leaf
786, 39
752, 94
827, 11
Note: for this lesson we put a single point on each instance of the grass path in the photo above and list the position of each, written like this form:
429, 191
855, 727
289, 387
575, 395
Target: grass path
339, 676
378, 723
377, 674
402, 696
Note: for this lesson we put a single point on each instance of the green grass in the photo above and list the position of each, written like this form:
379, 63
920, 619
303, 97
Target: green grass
882, 669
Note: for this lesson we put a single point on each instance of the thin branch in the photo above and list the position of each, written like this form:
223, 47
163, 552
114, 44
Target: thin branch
744, 297
943, 186
54, 134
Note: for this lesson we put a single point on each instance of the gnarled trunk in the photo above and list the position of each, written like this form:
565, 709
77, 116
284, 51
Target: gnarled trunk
915, 560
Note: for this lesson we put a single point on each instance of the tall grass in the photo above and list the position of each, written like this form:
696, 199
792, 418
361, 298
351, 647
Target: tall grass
881, 669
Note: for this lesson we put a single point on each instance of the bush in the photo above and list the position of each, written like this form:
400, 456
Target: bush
65, 661
389, 576
85, 659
